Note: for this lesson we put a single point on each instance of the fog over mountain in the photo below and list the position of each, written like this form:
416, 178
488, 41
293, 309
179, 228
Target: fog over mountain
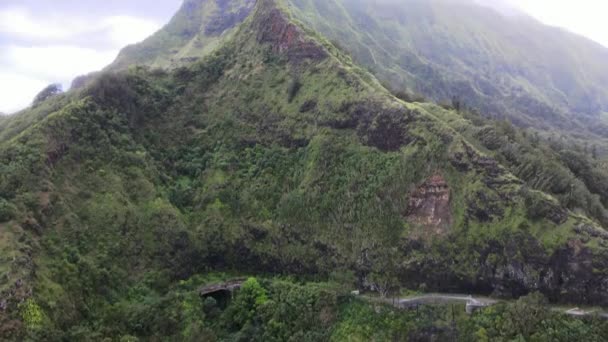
505, 7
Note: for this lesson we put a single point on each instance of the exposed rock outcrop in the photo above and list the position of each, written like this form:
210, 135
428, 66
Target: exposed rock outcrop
512, 267
565, 276
386, 128
429, 205
272, 26
589, 231
484, 207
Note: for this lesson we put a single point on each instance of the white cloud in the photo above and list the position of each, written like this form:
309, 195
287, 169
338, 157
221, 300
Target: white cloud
118, 30
52, 49
18, 91
126, 30
18, 21
56, 63
585, 17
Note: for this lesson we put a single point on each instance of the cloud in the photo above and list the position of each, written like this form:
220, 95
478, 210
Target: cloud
18, 91
56, 63
117, 31
18, 22
124, 30
39, 49
585, 17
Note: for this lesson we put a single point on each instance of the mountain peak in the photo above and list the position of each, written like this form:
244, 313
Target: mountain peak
197, 29
273, 26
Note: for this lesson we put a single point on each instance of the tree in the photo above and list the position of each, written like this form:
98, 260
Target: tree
525, 315
384, 271
594, 152
46, 93
506, 127
249, 299
7, 210
482, 335
292, 89
456, 103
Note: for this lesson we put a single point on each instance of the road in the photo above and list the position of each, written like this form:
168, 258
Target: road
440, 298
472, 302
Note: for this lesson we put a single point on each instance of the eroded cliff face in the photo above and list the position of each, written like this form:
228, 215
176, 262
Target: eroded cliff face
429, 206
566, 275
273, 26
509, 268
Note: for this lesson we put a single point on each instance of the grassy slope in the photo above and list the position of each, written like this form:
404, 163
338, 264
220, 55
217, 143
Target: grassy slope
506, 67
424, 47
543, 167
151, 177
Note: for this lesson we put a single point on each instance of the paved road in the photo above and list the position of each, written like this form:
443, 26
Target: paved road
580, 313
439, 298
474, 302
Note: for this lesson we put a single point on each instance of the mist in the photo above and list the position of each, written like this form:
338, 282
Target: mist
504, 7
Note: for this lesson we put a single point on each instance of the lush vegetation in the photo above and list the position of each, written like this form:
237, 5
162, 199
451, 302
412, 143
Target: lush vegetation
285, 310
505, 66
120, 199
569, 169
199, 28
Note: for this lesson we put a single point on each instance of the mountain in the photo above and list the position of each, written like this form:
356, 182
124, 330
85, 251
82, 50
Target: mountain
198, 28
486, 55
272, 153
507, 66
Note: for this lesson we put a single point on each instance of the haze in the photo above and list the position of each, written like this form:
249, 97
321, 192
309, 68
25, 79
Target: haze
43, 42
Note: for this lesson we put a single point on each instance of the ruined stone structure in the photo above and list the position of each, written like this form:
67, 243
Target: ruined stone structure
225, 287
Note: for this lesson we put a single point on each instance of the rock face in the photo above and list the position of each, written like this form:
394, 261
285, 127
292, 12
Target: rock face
285, 37
564, 276
429, 206
385, 128
515, 267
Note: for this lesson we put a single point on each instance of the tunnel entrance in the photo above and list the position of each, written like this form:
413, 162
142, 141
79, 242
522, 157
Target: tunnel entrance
221, 292
221, 297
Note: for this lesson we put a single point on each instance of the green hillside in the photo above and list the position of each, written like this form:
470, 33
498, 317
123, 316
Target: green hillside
506, 66
276, 156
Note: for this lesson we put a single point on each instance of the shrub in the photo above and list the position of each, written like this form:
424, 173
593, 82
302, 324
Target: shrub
31, 314
292, 89
7, 211
246, 304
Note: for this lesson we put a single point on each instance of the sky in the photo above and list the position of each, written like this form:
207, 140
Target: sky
54, 41
585, 17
